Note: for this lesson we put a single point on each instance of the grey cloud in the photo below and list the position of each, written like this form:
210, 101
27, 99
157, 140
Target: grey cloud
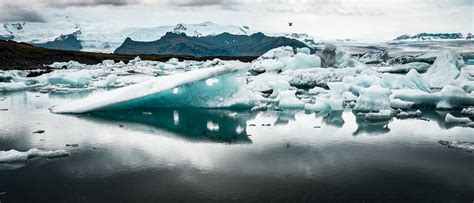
226, 4
11, 12
87, 3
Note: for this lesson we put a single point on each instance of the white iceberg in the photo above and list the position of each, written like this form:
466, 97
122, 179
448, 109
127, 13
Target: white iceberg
71, 79
13, 86
404, 68
448, 98
67, 65
444, 70
467, 146
374, 98
468, 111
452, 119
287, 100
381, 115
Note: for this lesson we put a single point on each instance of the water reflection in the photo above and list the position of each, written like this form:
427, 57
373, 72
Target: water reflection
195, 124
334, 118
367, 127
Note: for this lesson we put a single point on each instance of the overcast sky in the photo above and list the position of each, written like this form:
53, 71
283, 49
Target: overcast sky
355, 19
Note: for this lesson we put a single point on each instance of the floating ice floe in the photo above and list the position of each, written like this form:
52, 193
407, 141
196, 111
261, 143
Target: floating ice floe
13, 156
412, 114
452, 119
449, 97
381, 115
467, 146
13, 86
404, 68
71, 79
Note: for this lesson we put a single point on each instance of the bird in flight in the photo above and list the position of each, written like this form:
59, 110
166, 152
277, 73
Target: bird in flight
290, 23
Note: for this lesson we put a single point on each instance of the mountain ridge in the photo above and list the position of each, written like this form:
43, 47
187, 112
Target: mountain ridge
224, 44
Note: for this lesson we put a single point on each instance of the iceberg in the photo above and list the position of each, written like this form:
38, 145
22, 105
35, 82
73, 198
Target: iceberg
328, 56
71, 79
67, 65
287, 100
444, 70
413, 114
381, 115
412, 80
452, 119
13, 86
468, 111
175, 90
418, 66
374, 98
467, 146
449, 97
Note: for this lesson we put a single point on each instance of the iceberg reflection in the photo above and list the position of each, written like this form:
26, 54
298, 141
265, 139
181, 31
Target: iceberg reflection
195, 124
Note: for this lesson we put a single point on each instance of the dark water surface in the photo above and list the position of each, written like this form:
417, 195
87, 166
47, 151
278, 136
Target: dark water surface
201, 155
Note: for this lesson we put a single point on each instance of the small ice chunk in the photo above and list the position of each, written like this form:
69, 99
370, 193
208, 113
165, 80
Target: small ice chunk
418, 66
108, 62
135, 61
67, 65
317, 90
211, 126
173, 61
73, 79
400, 104
13, 156
344, 60
287, 99
302, 61
13, 86
381, 115
468, 111
467, 146
109, 81
303, 50
277, 87
452, 119
374, 98
279, 52
412, 114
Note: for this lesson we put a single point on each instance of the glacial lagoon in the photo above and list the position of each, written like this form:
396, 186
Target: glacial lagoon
221, 154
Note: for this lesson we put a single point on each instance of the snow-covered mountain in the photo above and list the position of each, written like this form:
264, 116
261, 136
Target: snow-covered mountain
433, 36
302, 37
38, 32
95, 37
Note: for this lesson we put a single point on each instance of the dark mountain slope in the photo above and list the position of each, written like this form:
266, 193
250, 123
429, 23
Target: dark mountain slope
224, 44
15, 55
64, 42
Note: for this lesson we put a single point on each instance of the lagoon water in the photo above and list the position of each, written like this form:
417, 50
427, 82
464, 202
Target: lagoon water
204, 154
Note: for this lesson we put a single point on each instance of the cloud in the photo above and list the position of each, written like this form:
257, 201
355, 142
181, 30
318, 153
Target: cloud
87, 3
225, 4
13, 12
